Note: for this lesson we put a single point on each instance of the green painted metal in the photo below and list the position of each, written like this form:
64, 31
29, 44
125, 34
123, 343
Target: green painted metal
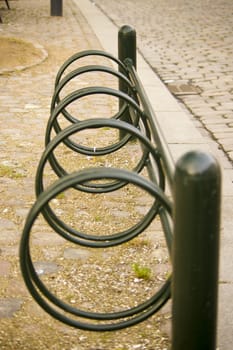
190, 217
197, 192
127, 48
56, 7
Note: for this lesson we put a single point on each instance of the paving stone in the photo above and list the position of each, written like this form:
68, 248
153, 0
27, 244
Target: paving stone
47, 239
45, 267
9, 306
76, 253
4, 268
9, 250
17, 288
8, 231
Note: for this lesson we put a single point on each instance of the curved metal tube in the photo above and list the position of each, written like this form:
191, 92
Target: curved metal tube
33, 281
101, 241
77, 72
86, 53
76, 95
85, 181
94, 124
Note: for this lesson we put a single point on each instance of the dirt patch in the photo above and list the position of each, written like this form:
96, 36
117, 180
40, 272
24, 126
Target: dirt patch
17, 54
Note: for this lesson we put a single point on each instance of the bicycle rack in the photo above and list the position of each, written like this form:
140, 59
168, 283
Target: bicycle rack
134, 120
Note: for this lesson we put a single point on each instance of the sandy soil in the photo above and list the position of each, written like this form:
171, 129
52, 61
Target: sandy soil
16, 52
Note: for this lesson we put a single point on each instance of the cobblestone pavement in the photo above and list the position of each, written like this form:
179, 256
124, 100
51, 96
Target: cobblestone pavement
191, 43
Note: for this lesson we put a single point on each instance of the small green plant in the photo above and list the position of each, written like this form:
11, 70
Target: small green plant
141, 271
7, 171
61, 195
98, 218
139, 242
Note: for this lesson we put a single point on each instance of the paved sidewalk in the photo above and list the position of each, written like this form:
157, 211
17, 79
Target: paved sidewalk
24, 110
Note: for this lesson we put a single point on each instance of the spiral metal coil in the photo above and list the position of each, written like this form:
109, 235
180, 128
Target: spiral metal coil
96, 181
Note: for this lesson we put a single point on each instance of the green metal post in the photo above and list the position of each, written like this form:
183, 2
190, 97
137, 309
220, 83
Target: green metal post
126, 49
56, 7
195, 252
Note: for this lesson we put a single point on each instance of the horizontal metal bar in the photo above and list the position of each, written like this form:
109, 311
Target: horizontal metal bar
157, 133
165, 218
